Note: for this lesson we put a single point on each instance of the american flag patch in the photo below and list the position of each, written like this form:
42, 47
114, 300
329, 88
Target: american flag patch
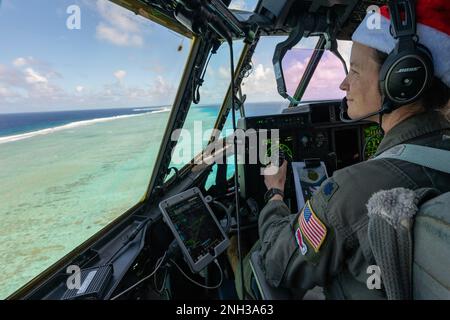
312, 228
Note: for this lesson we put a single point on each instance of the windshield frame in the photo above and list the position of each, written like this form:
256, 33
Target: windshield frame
245, 60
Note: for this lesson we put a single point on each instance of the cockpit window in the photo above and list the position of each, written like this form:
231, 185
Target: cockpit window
85, 93
324, 84
245, 5
260, 85
197, 129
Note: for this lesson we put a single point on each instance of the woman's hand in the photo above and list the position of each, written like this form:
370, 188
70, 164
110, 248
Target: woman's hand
274, 178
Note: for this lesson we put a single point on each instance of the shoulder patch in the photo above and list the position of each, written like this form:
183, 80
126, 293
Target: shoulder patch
329, 189
312, 229
301, 244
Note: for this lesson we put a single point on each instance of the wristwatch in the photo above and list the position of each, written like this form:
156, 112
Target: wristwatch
272, 192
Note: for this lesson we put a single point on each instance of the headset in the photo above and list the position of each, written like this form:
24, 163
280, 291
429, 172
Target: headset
408, 70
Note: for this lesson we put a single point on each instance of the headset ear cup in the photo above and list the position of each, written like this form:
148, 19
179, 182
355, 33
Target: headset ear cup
425, 51
406, 75
428, 59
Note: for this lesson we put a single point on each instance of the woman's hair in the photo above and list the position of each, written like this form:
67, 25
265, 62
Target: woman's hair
436, 97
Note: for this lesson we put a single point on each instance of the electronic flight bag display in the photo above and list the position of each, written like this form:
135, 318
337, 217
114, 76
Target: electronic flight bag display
196, 229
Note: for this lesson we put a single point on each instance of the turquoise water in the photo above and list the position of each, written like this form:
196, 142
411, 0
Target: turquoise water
61, 188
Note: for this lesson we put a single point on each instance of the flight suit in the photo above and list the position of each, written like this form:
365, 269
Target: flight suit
331, 249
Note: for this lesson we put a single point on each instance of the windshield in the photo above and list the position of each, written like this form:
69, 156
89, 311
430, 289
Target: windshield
330, 72
199, 123
85, 93
246, 5
260, 86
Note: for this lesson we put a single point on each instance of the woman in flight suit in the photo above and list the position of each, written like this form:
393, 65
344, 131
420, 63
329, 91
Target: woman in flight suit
326, 243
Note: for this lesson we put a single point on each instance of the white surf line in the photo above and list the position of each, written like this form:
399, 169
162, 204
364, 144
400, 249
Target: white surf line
71, 125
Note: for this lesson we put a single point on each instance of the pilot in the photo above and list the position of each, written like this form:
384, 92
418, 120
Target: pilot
326, 243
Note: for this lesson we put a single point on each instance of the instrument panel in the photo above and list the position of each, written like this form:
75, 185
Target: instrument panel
310, 133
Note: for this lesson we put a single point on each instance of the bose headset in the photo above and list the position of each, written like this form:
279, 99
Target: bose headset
408, 70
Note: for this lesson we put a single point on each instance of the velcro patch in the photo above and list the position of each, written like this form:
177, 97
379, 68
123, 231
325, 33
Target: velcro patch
312, 229
329, 189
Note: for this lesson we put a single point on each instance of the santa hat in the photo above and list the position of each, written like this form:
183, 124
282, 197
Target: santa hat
433, 30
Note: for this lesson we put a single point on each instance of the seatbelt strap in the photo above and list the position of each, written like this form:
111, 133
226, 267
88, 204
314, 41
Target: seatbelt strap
432, 158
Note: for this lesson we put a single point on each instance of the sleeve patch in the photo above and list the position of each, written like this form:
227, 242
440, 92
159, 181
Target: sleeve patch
301, 244
329, 189
312, 229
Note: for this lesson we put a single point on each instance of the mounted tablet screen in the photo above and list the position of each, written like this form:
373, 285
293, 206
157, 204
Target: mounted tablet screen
197, 231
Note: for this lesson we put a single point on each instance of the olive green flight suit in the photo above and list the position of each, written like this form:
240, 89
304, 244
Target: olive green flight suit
340, 265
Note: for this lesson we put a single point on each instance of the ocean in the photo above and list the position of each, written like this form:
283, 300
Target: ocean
66, 175
14, 126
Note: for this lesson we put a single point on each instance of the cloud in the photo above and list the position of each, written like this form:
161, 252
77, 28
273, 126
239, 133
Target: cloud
34, 85
28, 86
118, 37
263, 73
162, 88
224, 73
44, 68
155, 93
326, 80
120, 27
294, 66
20, 62
293, 74
239, 5
261, 84
8, 94
120, 75
32, 76
11, 76
119, 17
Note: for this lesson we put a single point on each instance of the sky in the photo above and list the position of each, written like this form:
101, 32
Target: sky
115, 59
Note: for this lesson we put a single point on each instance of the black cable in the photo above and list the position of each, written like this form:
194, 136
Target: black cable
217, 286
343, 109
155, 280
380, 124
236, 181
198, 82
157, 266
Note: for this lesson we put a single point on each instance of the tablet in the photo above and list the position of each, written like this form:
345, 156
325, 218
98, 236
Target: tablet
196, 229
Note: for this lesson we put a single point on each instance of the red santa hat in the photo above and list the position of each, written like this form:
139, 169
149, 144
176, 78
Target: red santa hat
433, 30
